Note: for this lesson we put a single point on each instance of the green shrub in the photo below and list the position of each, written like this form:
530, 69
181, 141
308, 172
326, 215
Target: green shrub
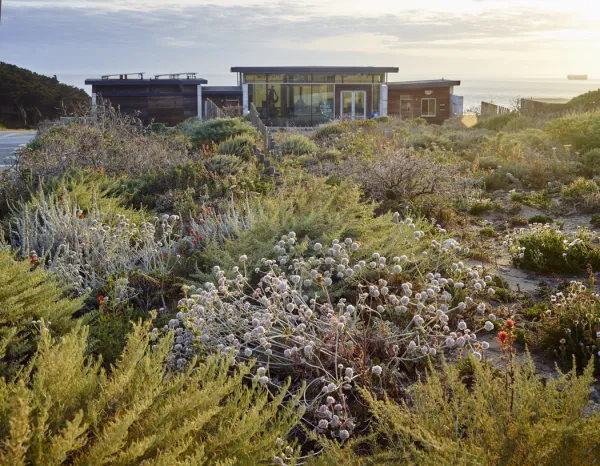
297, 144
517, 221
540, 219
488, 232
328, 130
240, 146
591, 163
537, 200
544, 248
518, 123
584, 193
581, 130
67, 410
225, 165
497, 123
471, 413
586, 102
28, 294
483, 206
570, 331
382, 119
595, 221
204, 133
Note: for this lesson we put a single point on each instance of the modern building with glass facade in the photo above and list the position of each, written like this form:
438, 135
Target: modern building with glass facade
313, 95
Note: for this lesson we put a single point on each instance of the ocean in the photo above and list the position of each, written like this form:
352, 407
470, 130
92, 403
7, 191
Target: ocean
501, 91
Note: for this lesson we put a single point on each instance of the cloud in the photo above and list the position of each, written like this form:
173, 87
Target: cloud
87, 36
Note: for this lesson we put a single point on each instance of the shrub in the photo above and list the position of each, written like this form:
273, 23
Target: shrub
595, 221
297, 144
544, 248
84, 249
240, 146
489, 418
540, 219
27, 295
481, 206
584, 193
204, 133
536, 199
289, 319
328, 130
591, 163
113, 142
67, 410
571, 330
518, 123
581, 130
497, 123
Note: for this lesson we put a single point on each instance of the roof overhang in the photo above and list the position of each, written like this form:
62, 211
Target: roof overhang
143, 82
222, 90
423, 84
314, 69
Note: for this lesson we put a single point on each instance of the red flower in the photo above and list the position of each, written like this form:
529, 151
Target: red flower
62, 198
33, 259
101, 170
119, 313
510, 323
81, 216
502, 337
101, 300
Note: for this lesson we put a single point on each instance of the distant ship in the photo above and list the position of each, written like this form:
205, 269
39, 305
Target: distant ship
577, 77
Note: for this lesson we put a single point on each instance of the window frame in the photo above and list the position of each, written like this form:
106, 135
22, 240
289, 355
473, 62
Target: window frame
429, 115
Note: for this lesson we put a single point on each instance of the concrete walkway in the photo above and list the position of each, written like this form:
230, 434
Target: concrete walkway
9, 142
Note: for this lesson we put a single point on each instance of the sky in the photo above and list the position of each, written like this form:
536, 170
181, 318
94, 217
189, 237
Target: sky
426, 39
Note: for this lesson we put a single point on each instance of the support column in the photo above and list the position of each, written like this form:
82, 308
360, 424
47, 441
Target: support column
199, 102
383, 103
94, 103
245, 104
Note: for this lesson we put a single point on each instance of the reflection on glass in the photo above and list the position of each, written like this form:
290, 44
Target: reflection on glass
376, 97
347, 104
359, 105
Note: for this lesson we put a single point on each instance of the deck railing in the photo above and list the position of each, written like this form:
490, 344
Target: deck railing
489, 110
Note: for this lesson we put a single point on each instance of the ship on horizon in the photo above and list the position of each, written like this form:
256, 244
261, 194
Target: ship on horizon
577, 77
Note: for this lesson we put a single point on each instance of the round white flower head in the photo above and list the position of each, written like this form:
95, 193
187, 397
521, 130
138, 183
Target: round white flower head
244, 258
327, 281
489, 326
462, 325
477, 355
485, 345
344, 434
323, 424
317, 246
491, 291
377, 370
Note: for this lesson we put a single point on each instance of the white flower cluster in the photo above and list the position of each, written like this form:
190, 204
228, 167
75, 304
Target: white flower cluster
291, 326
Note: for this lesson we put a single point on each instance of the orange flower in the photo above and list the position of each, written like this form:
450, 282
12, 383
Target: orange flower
510, 323
81, 216
502, 337
119, 313
101, 170
101, 300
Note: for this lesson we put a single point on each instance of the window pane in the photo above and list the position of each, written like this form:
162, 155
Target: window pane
275, 78
358, 78
298, 78
359, 105
322, 104
376, 97
425, 107
255, 78
323, 78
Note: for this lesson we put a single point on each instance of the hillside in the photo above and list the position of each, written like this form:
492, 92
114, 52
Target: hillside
26, 98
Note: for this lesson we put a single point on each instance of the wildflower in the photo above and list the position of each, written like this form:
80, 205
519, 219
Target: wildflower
477, 355
81, 216
101, 300
317, 246
485, 345
462, 325
489, 326
323, 424
510, 323
502, 337
377, 370
243, 258
344, 434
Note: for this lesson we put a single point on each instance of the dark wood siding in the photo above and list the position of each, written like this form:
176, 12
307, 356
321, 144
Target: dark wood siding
440, 94
168, 104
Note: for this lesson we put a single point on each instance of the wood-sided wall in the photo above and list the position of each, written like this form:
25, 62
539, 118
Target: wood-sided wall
414, 96
168, 104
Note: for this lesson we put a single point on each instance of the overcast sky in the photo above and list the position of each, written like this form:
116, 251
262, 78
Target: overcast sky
425, 38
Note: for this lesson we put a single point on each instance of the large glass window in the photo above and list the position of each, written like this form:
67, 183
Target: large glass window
323, 78
376, 97
255, 78
354, 78
293, 104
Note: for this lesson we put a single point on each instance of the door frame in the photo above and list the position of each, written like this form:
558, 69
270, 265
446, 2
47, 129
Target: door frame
353, 115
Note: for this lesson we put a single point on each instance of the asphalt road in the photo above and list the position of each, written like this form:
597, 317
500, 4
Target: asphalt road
9, 141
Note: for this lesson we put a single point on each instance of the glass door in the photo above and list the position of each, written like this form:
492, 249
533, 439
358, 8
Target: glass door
353, 105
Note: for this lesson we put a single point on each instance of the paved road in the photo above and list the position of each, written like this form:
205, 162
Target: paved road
9, 141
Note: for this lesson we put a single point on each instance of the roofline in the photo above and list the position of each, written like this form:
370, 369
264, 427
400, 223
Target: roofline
138, 82
314, 69
420, 84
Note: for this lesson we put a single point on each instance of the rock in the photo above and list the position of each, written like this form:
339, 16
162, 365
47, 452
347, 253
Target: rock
595, 395
512, 178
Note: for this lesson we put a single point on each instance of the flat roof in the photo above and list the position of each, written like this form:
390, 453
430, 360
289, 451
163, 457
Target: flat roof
138, 82
549, 100
314, 69
216, 90
420, 84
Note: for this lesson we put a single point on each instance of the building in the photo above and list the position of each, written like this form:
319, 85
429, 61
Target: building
433, 100
313, 95
301, 96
